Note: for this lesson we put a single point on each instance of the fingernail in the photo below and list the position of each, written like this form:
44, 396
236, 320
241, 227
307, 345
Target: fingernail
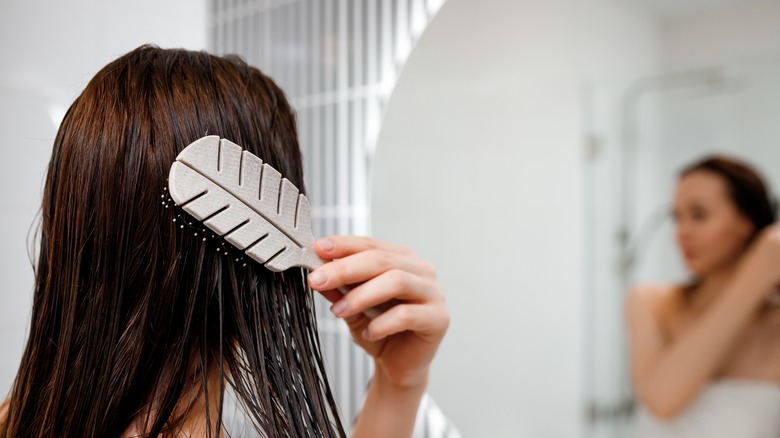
317, 278
366, 334
325, 244
338, 307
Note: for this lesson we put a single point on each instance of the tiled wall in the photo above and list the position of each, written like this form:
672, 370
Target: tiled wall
337, 60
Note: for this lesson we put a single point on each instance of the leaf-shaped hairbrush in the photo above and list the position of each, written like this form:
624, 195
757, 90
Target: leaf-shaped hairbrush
247, 203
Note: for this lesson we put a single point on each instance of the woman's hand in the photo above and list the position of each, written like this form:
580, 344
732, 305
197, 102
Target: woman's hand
404, 339
763, 258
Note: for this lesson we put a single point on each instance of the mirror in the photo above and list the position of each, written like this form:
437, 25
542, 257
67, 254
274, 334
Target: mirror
531, 152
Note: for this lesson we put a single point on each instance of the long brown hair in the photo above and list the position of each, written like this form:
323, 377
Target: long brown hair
127, 303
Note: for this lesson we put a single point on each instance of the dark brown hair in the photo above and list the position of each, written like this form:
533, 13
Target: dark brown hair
746, 188
127, 304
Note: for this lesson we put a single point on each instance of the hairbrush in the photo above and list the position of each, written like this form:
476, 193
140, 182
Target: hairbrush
247, 203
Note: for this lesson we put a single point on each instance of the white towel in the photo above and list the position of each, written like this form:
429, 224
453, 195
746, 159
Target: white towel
727, 408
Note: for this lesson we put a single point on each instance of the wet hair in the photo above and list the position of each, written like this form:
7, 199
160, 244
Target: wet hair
746, 189
132, 312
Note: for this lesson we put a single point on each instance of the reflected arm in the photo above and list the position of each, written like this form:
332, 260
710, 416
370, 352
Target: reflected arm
669, 374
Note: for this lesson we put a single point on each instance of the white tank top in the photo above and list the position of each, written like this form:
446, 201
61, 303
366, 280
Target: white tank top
727, 408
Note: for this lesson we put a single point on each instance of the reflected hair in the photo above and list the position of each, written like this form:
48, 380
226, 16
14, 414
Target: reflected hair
746, 189
131, 312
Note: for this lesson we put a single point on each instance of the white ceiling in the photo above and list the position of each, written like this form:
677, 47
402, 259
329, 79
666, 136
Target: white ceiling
671, 8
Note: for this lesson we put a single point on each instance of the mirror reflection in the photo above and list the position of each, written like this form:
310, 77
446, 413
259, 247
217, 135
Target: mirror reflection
558, 164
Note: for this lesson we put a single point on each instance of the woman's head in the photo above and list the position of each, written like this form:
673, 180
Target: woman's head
130, 309
720, 205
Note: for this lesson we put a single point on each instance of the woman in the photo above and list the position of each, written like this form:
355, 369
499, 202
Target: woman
140, 322
705, 356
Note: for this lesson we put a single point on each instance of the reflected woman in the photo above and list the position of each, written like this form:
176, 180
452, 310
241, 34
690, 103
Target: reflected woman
705, 356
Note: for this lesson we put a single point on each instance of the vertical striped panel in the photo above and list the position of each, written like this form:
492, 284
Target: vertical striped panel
337, 60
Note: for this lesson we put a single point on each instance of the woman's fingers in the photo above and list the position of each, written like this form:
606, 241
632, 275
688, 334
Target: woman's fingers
382, 272
427, 321
335, 247
392, 284
331, 295
363, 266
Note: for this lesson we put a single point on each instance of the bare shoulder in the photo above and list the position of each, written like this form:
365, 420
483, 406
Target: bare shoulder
653, 293
3, 411
653, 301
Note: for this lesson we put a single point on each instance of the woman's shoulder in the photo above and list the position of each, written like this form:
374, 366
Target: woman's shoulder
655, 293
659, 301
4, 411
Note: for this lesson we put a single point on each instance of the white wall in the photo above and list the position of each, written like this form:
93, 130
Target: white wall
746, 31
479, 167
50, 51
743, 41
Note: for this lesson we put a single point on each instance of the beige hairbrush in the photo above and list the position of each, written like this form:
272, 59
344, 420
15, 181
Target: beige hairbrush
247, 203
